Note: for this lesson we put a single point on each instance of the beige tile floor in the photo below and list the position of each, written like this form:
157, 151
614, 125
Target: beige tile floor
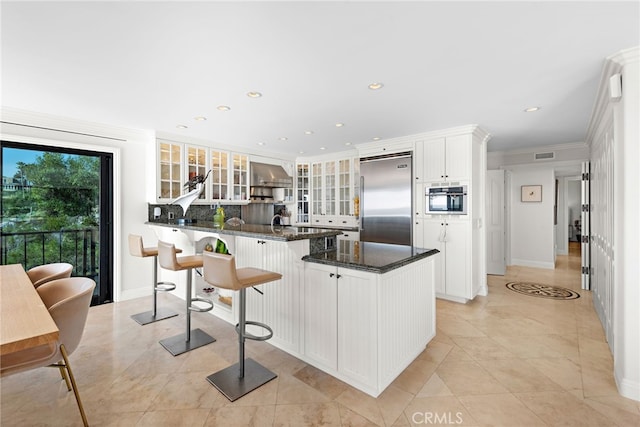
501, 360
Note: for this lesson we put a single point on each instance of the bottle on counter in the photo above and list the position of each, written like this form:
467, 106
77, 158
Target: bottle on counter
218, 218
221, 247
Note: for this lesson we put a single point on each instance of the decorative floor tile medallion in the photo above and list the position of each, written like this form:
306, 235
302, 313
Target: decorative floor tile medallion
542, 291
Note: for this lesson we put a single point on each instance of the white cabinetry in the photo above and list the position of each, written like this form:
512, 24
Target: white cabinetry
357, 335
365, 328
443, 159
321, 315
333, 188
196, 165
229, 180
453, 271
453, 157
277, 303
302, 193
179, 163
170, 180
340, 318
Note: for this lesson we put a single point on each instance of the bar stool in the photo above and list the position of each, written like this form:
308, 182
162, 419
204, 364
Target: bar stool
136, 248
190, 339
246, 375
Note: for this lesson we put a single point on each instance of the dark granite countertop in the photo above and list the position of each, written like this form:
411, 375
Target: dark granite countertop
369, 256
276, 232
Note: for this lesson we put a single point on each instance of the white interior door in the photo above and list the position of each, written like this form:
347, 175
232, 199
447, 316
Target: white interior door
495, 223
585, 247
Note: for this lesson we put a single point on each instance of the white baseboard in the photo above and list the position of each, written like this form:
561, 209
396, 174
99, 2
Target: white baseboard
627, 388
535, 264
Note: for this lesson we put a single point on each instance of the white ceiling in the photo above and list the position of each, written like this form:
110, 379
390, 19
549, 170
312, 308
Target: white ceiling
443, 64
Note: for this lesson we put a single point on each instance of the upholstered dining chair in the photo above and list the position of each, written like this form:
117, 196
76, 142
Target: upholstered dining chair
45, 273
68, 302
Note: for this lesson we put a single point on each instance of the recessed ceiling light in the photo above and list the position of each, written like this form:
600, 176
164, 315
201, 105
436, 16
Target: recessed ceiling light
377, 138
261, 143
347, 143
254, 94
376, 86
223, 108
339, 125
531, 109
323, 148
300, 152
308, 132
182, 127
200, 118
284, 138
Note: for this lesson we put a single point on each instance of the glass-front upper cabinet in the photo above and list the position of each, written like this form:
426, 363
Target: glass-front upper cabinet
196, 165
316, 189
170, 170
302, 193
330, 188
240, 177
345, 187
219, 175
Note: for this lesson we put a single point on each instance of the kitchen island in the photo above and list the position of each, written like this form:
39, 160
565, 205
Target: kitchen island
359, 311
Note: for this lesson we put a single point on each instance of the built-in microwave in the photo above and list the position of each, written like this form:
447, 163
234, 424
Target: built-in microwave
447, 200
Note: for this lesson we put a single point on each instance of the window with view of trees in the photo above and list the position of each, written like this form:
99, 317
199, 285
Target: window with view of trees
51, 210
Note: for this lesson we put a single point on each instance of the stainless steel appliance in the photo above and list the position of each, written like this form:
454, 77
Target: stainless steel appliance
385, 199
266, 175
447, 200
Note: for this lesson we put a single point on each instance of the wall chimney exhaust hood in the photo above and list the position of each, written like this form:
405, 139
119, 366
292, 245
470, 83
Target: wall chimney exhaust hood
265, 175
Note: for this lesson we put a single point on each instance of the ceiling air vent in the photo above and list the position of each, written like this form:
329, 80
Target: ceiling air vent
545, 156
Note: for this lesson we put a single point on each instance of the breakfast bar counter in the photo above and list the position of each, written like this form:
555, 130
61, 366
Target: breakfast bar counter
276, 232
360, 311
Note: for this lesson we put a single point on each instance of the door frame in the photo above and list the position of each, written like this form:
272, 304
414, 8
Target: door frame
87, 143
491, 202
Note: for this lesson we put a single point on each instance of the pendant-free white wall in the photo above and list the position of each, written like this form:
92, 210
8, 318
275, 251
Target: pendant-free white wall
532, 228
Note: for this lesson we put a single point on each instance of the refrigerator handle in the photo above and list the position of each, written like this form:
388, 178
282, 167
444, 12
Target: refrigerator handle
361, 203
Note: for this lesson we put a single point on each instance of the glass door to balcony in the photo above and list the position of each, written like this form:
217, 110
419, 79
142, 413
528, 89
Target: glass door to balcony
56, 206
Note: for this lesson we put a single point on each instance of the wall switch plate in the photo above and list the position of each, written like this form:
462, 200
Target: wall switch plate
171, 215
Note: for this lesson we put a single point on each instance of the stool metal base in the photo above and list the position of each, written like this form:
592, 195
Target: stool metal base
148, 317
178, 344
233, 388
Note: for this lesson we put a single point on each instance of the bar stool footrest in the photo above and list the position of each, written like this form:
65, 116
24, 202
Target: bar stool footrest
147, 317
178, 344
227, 381
201, 309
254, 337
165, 286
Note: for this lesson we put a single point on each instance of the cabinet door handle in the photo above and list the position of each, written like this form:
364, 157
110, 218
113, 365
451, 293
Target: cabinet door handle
338, 276
361, 203
331, 274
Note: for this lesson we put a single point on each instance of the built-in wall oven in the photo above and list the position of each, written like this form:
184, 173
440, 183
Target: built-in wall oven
447, 200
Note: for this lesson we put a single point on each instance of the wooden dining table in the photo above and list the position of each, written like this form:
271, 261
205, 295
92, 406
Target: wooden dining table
25, 321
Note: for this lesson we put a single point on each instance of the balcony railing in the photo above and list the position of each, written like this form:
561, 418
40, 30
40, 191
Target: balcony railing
79, 248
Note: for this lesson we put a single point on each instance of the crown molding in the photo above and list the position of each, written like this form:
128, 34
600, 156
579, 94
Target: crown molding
613, 64
474, 129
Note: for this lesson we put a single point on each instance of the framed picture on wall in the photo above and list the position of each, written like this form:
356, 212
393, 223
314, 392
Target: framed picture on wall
531, 193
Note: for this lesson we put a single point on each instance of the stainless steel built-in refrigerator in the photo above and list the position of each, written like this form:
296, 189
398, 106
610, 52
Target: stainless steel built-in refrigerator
385, 199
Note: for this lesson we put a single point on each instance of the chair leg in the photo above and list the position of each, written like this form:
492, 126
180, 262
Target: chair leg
65, 377
63, 350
